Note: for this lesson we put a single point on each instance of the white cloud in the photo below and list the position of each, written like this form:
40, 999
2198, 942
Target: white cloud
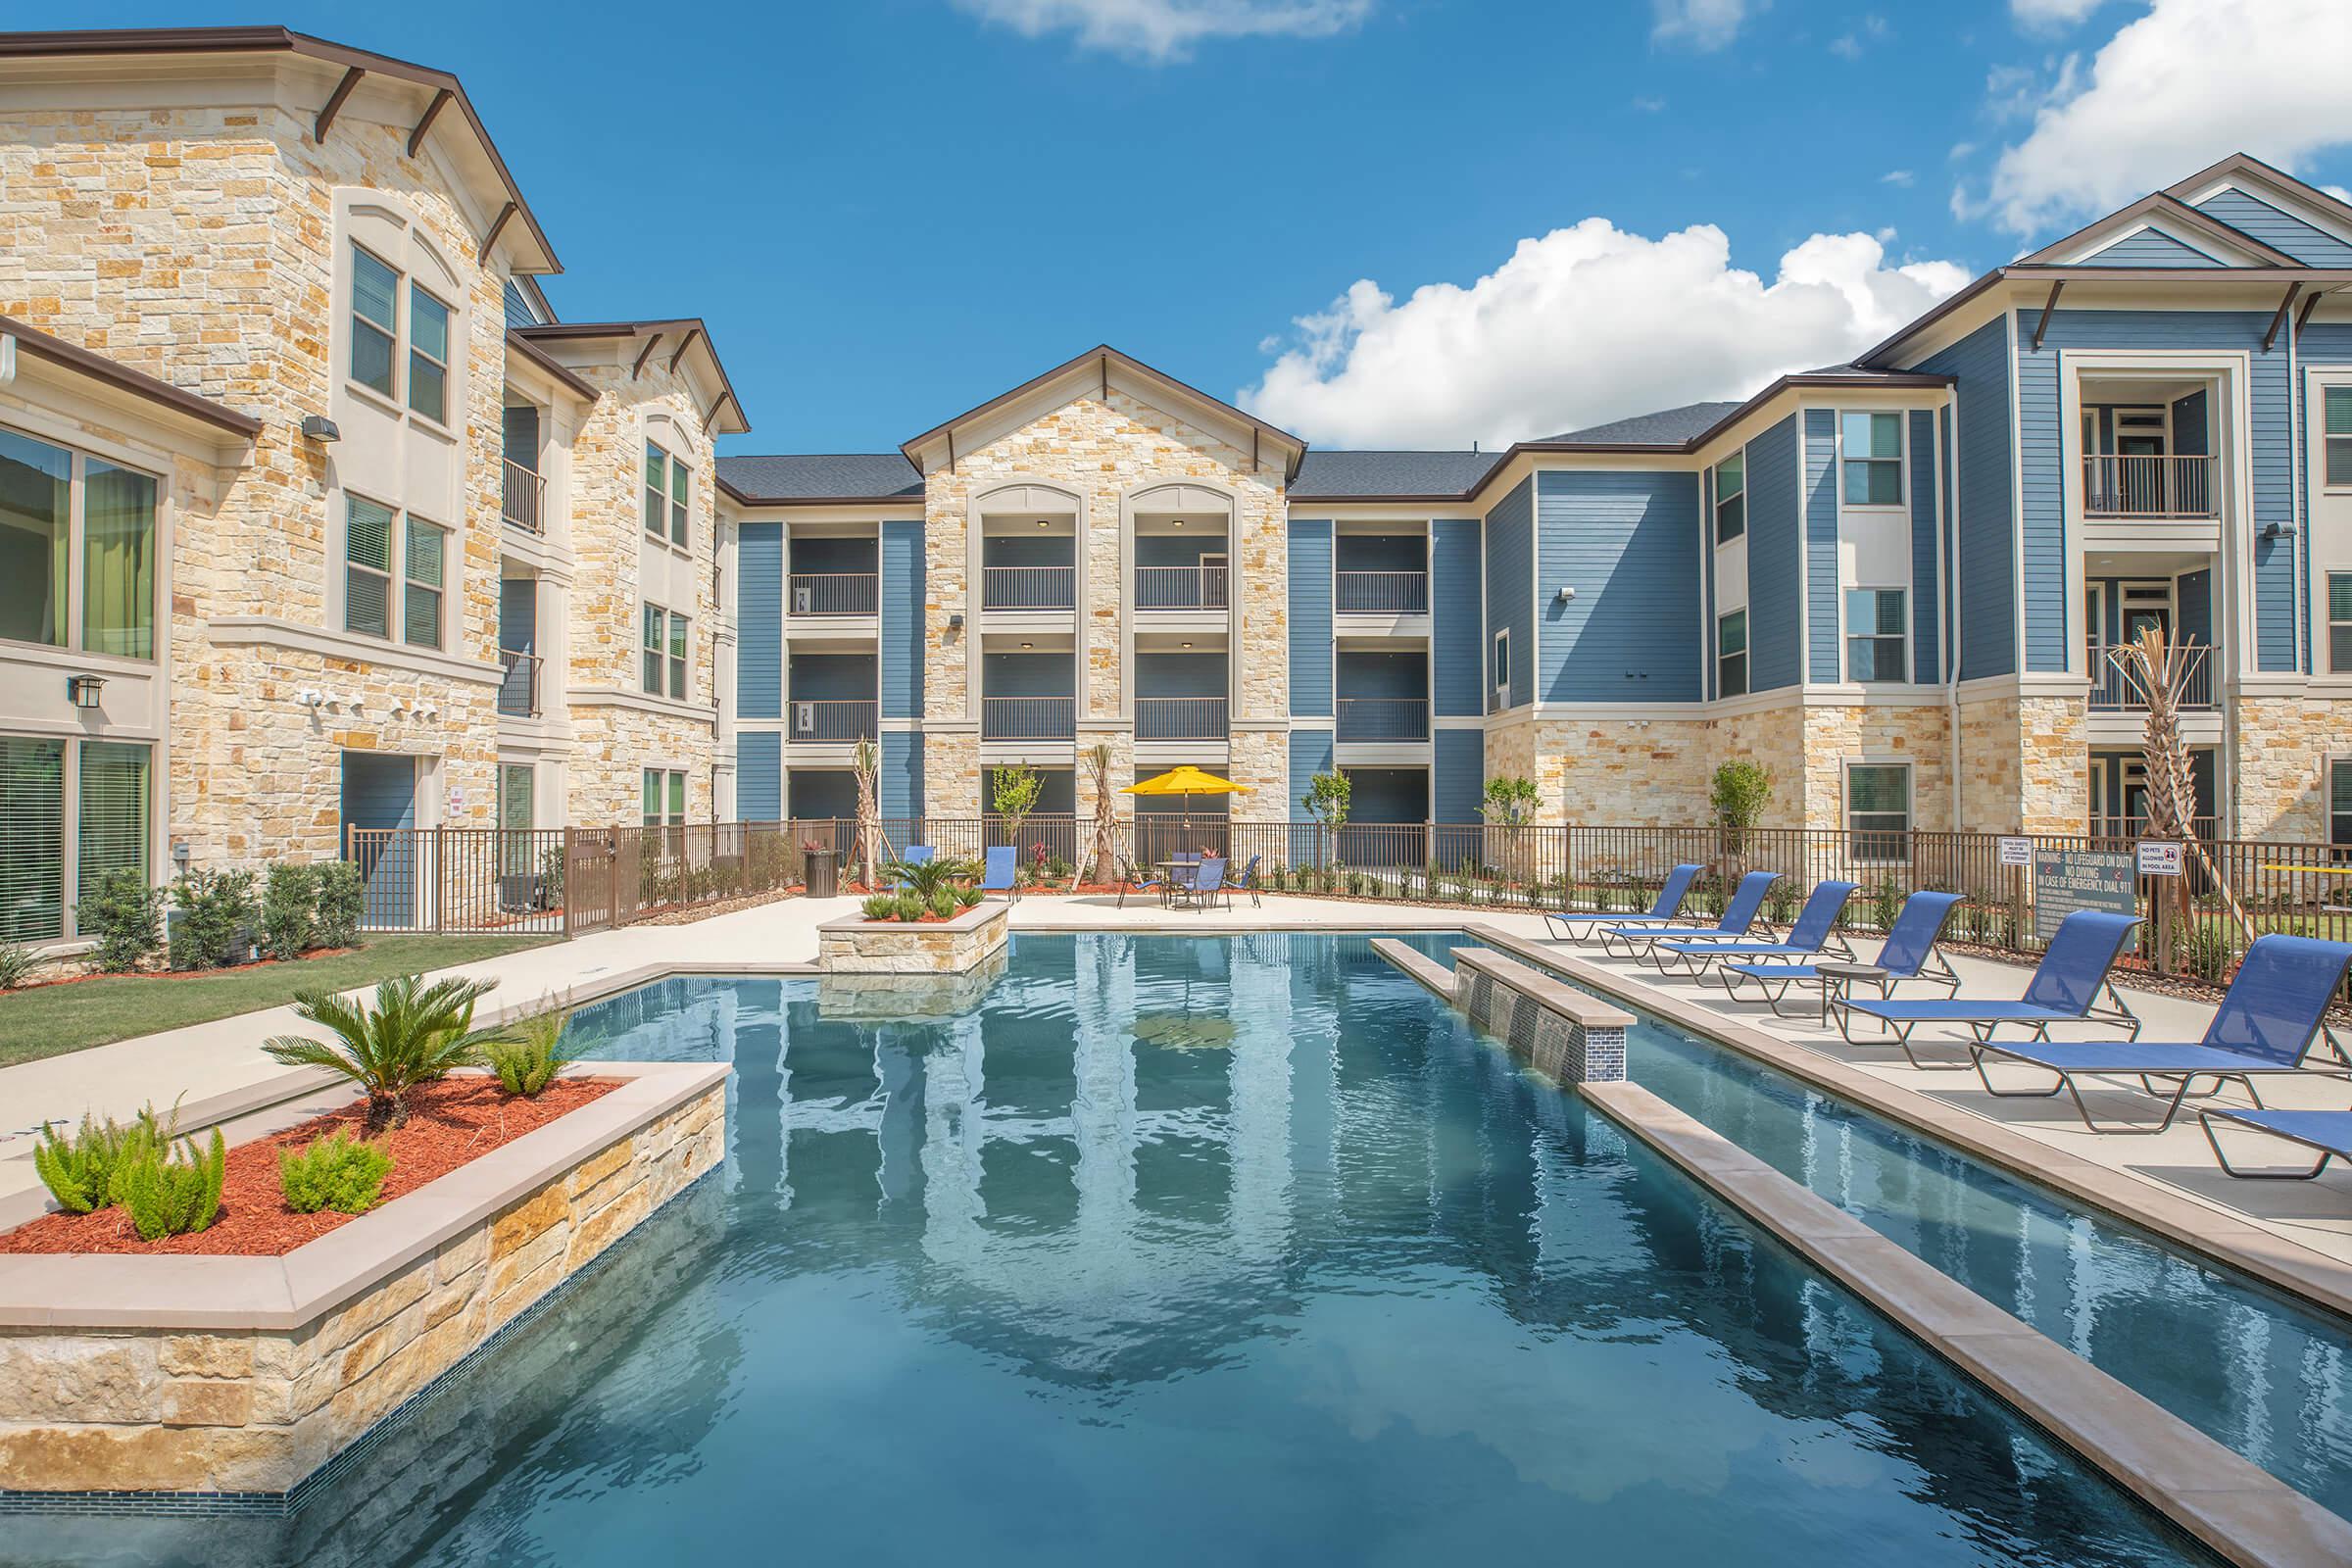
1699, 24
2174, 91
1162, 31
1898, 176
1651, 106
2052, 13
1582, 325
1849, 45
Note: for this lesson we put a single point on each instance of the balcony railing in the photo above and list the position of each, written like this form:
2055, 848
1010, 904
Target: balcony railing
833, 593
2112, 691
1383, 719
1381, 593
518, 688
1180, 719
1180, 587
523, 498
1028, 719
833, 719
2144, 485
1028, 587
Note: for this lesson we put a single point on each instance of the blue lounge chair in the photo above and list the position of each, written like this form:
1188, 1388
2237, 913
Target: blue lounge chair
916, 854
1738, 916
1136, 879
2065, 989
1250, 881
999, 873
2271, 1016
1816, 927
1207, 882
1560, 927
2327, 1131
1909, 953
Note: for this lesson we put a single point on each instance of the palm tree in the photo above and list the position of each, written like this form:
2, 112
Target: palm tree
926, 878
414, 1035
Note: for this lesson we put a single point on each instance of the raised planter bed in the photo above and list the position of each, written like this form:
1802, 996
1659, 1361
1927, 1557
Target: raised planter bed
856, 946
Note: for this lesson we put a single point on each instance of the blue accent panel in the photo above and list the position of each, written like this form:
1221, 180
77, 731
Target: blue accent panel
1310, 618
1456, 629
1458, 785
1383, 675
1376, 794
2194, 595
1311, 754
1028, 550
899, 791
379, 791
2270, 463
1773, 559
517, 614
901, 620
2191, 437
1510, 578
821, 555
1385, 552
822, 795
831, 677
758, 620
1951, 573
2149, 248
1180, 675
759, 776
2326, 343
1028, 675
2280, 231
1926, 661
1706, 556
1628, 543
1821, 545
1985, 520
1177, 549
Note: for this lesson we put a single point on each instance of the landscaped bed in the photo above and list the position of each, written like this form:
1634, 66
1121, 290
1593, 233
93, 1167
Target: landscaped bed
449, 1124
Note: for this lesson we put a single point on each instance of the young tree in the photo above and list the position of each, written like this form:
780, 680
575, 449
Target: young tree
1738, 796
865, 763
1326, 801
1014, 791
1512, 801
1107, 811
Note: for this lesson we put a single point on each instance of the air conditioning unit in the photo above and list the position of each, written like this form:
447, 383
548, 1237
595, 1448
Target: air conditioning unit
804, 717
804, 598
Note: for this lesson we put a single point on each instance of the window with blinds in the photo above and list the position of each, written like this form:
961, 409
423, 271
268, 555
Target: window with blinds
656, 488
421, 593
428, 355
678, 655
109, 830
35, 531
654, 645
374, 321
117, 560
32, 839
2336, 407
681, 491
368, 566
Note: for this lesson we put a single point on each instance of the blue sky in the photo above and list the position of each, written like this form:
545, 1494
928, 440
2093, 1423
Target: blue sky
891, 209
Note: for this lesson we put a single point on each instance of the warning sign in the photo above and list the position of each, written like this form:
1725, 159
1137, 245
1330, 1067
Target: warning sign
2067, 880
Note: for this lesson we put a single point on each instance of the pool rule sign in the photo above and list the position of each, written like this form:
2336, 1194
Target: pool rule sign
2067, 880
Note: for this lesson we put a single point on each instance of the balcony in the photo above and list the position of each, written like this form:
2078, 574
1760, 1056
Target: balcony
518, 687
834, 719
1383, 719
1028, 588
2156, 487
2112, 691
1380, 593
1028, 719
1180, 587
1180, 719
522, 499
834, 592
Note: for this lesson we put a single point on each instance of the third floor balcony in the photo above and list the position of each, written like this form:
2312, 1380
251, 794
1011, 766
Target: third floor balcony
2153, 486
1180, 719
1028, 719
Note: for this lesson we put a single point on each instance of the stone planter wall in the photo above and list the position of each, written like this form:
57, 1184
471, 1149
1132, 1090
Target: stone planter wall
241, 1376
859, 947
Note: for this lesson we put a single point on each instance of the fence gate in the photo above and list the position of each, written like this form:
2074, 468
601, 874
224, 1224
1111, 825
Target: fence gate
591, 880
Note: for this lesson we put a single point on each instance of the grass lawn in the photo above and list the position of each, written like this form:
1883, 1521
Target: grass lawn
51, 1020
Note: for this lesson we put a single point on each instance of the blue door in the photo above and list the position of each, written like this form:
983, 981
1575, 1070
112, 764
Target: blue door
379, 802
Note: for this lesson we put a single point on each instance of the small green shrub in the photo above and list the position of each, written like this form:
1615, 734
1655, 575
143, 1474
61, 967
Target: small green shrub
1779, 904
880, 906
341, 899
966, 896
290, 910
2205, 949
1355, 884
125, 914
944, 904
909, 906
216, 909
338, 1171
415, 1033
16, 964
528, 1063
172, 1191
1886, 903
80, 1170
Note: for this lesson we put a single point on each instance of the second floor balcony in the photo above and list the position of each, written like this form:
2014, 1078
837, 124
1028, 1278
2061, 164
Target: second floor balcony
522, 498
1028, 719
2114, 690
518, 687
833, 719
1383, 719
1380, 593
2155, 486
1180, 719
1201, 587
1028, 587
833, 593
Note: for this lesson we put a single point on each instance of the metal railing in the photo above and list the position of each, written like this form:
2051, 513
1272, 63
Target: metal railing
1380, 593
1028, 587
1028, 719
1180, 719
518, 687
2114, 691
2149, 485
834, 719
522, 498
833, 593
1383, 719
1180, 587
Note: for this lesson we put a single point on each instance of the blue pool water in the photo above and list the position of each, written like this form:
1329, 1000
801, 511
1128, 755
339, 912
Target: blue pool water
1178, 1251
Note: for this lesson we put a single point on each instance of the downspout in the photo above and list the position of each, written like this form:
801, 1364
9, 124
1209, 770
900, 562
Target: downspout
1947, 454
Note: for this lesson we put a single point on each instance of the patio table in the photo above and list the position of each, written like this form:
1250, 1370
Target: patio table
1174, 874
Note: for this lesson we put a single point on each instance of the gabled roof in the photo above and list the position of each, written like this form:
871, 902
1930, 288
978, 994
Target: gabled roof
1665, 428
680, 336
123, 378
806, 478
1391, 475
2244, 166
2160, 210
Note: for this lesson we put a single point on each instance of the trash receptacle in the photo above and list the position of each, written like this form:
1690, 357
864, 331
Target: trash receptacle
825, 874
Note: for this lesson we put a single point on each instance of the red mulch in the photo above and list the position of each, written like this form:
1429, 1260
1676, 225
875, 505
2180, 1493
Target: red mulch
450, 1123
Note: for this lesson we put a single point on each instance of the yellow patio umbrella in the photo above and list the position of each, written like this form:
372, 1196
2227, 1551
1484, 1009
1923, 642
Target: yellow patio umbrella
1187, 781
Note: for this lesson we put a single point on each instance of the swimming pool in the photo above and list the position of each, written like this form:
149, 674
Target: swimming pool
1178, 1249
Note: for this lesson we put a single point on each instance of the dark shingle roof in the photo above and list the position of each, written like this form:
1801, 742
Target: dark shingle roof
822, 476
1390, 474
1667, 427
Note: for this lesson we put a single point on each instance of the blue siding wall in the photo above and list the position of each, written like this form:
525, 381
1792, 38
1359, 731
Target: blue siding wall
902, 622
1926, 667
1628, 543
2277, 229
2194, 596
1399, 675
1706, 558
1986, 523
1773, 559
822, 554
1028, 675
899, 789
1821, 545
759, 776
820, 795
2271, 462
2148, 248
2192, 436
1388, 795
1458, 787
1311, 754
1951, 523
1510, 568
1456, 628
758, 620
1310, 618
1176, 549
1386, 551
1180, 675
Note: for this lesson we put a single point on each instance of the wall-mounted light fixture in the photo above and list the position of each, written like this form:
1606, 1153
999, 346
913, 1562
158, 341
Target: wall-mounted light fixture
82, 691
309, 697
319, 427
1042, 523
180, 853
1028, 645
1565, 594
955, 621
1178, 523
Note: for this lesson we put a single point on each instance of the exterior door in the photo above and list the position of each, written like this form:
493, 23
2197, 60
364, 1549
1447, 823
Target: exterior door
379, 832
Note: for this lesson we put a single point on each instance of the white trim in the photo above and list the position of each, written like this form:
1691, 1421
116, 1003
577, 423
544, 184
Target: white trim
643, 702
275, 631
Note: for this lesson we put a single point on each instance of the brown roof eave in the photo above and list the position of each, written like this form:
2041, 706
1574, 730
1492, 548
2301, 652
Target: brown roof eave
558, 331
121, 377
547, 363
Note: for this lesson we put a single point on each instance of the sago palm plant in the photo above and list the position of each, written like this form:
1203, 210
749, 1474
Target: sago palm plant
415, 1033
926, 879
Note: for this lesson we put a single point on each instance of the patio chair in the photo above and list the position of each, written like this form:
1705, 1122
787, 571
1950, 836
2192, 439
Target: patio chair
1248, 880
1206, 884
1133, 879
2074, 974
1738, 915
2327, 1131
1815, 929
916, 854
2269, 1018
1560, 926
1001, 872
1909, 953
